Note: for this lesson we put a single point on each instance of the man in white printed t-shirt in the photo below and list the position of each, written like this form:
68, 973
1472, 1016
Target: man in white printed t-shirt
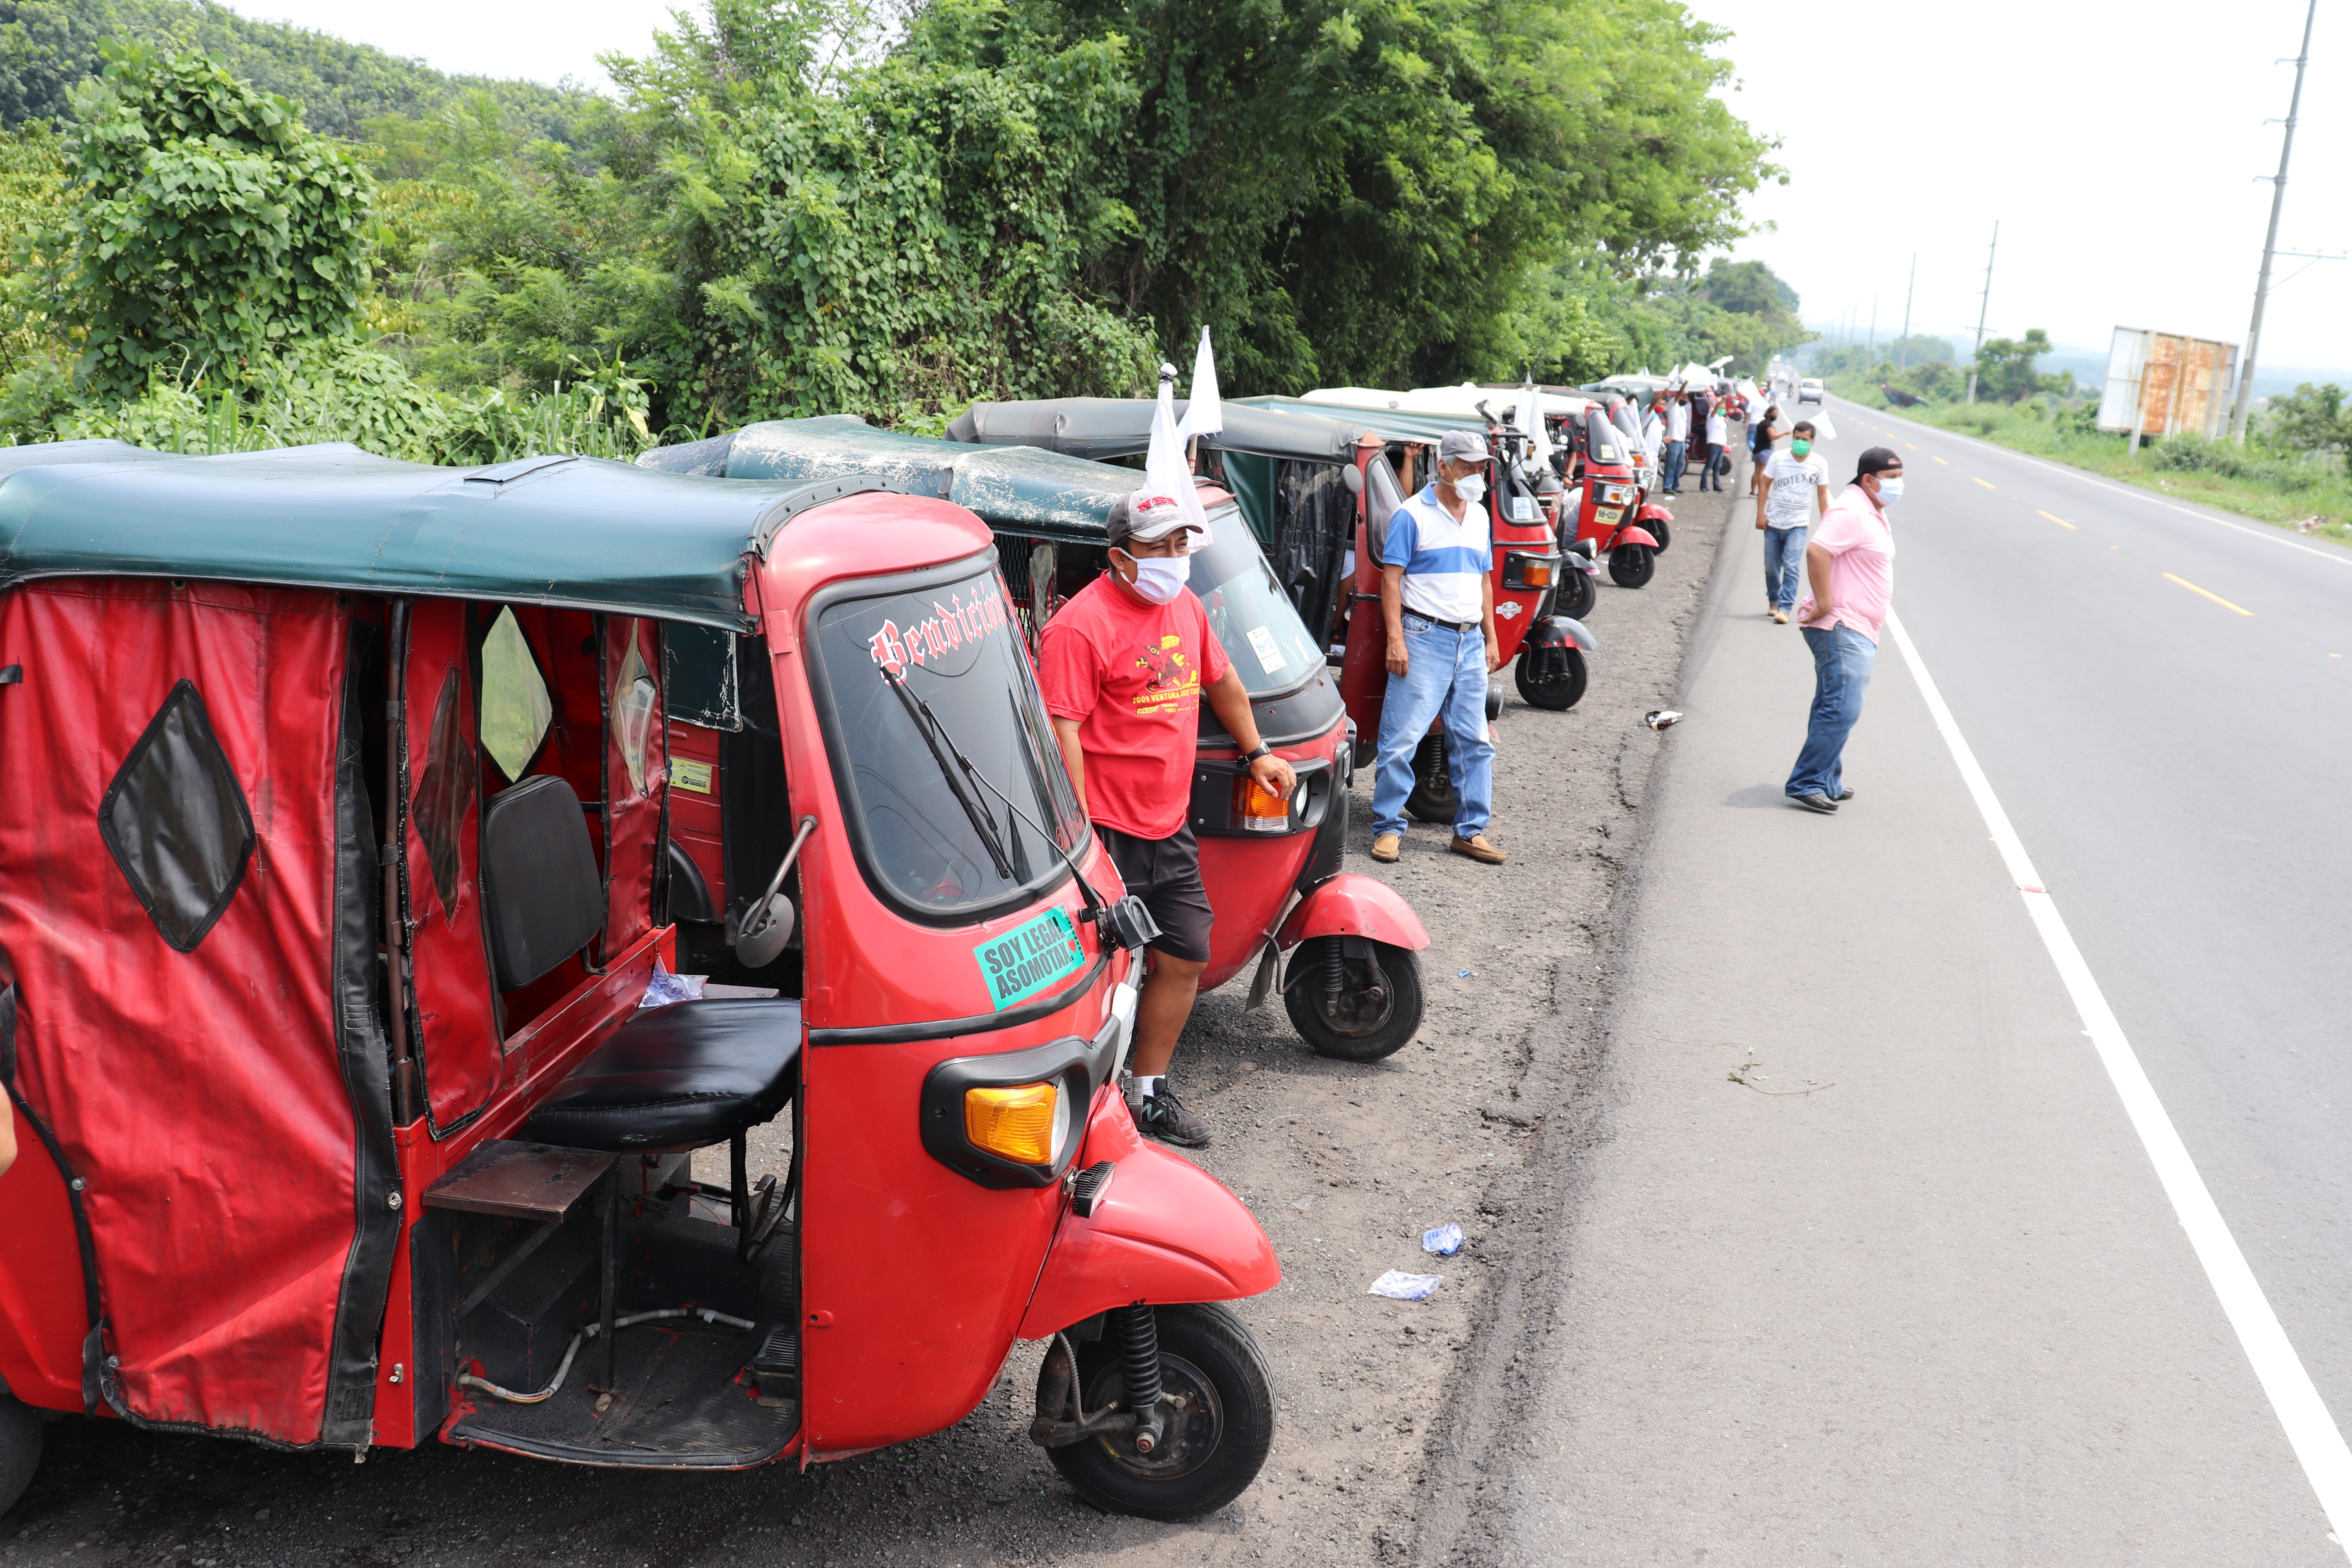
1437, 600
1793, 481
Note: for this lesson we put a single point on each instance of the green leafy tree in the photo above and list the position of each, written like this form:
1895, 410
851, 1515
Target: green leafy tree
206, 226
2311, 418
1921, 349
2005, 371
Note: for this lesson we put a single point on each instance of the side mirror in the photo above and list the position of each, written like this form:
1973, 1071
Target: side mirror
768, 923
1353, 478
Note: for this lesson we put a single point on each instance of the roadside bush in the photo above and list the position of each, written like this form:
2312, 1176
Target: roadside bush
2194, 454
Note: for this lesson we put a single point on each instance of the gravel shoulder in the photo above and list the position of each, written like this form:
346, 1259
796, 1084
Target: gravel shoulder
1391, 1412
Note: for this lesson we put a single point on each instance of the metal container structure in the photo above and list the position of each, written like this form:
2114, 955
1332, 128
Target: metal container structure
2162, 384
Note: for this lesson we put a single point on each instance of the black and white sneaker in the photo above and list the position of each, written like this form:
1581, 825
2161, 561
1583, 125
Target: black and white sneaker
1164, 1117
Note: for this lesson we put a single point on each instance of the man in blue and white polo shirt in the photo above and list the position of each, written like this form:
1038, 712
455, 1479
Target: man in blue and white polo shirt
1437, 601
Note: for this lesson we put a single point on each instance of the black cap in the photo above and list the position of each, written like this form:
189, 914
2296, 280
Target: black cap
1876, 460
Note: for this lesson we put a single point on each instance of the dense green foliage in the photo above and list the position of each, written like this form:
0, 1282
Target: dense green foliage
788, 208
2310, 419
205, 227
50, 47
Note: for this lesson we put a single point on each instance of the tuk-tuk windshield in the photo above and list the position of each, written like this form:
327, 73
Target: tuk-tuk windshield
1602, 437
1253, 621
1622, 415
942, 751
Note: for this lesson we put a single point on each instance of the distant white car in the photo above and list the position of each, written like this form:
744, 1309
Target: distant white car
1808, 390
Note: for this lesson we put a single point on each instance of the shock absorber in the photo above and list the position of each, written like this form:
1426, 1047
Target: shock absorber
1138, 1341
1335, 973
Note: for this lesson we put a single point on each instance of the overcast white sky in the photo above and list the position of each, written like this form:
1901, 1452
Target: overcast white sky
2117, 144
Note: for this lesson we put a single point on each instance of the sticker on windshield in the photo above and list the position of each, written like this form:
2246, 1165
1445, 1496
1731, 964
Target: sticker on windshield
939, 640
1024, 961
1269, 652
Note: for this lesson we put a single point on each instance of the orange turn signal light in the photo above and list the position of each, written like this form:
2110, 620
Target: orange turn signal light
1537, 574
1016, 1125
1257, 808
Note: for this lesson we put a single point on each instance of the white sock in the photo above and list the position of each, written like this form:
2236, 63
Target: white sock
1145, 1088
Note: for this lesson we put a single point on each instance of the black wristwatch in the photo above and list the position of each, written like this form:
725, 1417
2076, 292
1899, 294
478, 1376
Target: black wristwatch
1263, 751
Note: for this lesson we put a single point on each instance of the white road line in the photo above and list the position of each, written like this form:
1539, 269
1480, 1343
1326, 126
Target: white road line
2257, 530
2318, 1445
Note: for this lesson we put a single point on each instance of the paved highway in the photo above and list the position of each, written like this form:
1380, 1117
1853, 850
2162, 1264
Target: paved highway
1919, 1290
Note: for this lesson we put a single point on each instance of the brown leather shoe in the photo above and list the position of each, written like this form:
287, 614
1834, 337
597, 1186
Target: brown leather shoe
1385, 848
1477, 848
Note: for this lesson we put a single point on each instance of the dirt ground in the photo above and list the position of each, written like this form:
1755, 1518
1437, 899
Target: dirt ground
1389, 1410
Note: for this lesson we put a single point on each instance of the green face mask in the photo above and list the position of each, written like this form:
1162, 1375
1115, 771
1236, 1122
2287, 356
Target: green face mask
1799, 446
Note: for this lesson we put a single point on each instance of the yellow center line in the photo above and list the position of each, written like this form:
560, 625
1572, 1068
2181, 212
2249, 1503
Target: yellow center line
1912, 444
2215, 597
1987, 483
1939, 459
2054, 518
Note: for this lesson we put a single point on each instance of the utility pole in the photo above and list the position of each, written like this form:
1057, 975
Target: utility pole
2270, 240
1870, 350
1986, 301
1903, 343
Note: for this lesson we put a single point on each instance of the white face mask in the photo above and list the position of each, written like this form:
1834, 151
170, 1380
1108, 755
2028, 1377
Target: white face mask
1470, 487
1160, 578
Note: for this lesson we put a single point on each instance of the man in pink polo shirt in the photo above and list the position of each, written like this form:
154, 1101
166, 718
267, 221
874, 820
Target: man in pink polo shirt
1850, 564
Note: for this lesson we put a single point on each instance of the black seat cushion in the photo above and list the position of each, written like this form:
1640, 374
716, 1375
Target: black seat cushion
679, 1077
541, 888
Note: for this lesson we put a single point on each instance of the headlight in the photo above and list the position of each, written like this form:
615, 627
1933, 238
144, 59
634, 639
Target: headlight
1026, 1124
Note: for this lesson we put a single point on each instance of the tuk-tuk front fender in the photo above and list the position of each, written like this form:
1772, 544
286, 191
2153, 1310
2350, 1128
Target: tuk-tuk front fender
1653, 512
1164, 1231
1629, 534
1352, 904
1560, 631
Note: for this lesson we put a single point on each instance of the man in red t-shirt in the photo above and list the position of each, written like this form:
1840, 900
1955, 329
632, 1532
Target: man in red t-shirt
1125, 666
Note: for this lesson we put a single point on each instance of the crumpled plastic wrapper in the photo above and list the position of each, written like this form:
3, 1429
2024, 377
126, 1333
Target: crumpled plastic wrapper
1445, 1240
665, 988
1399, 1285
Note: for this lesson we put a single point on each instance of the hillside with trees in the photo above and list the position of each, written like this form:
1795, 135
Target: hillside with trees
786, 210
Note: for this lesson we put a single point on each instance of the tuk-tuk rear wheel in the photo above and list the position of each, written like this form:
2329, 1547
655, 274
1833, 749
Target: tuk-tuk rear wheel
1630, 566
1219, 1395
20, 1446
1432, 799
1355, 1037
1658, 527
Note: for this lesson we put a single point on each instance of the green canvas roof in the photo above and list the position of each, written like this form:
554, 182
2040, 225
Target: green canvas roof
1024, 489
1388, 424
576, 532
1121, 427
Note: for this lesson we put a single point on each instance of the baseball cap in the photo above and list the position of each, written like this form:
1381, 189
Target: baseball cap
1144, 515
1463, 446
1877, 460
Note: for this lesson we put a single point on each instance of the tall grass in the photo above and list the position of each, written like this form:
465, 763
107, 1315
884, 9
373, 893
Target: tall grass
2287, 488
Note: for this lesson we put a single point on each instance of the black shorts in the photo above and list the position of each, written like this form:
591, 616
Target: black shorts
1165, 873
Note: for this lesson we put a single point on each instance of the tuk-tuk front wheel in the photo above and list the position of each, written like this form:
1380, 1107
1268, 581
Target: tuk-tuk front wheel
20, 1446
1576, 596
1630, 566
1550, 678
1217, 1394
1376, 1008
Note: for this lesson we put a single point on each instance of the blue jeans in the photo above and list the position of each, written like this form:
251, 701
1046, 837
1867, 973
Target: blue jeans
1672, 462
1445, 674
1841, 661
1784, 564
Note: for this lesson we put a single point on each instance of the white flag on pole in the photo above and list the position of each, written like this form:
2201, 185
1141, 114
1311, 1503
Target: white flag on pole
1530, 419
1165, 471
1205, 414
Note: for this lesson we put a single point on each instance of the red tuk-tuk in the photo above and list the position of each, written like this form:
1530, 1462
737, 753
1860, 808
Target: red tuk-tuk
1317, 485
331, 918
1272, 866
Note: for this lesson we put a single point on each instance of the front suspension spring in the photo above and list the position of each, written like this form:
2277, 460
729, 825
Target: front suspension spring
1138, 1341
1335, 966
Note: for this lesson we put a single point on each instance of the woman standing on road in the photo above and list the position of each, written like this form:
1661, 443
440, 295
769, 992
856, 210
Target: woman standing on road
1850, 564
1760, 436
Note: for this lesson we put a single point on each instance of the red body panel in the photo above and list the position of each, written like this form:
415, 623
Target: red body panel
1167, 1231
458, 1028
1352, 904
41, 1309
1249, 880
197, 1094
694, 822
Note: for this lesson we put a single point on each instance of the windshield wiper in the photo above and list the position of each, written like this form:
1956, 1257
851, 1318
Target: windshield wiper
961, 784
